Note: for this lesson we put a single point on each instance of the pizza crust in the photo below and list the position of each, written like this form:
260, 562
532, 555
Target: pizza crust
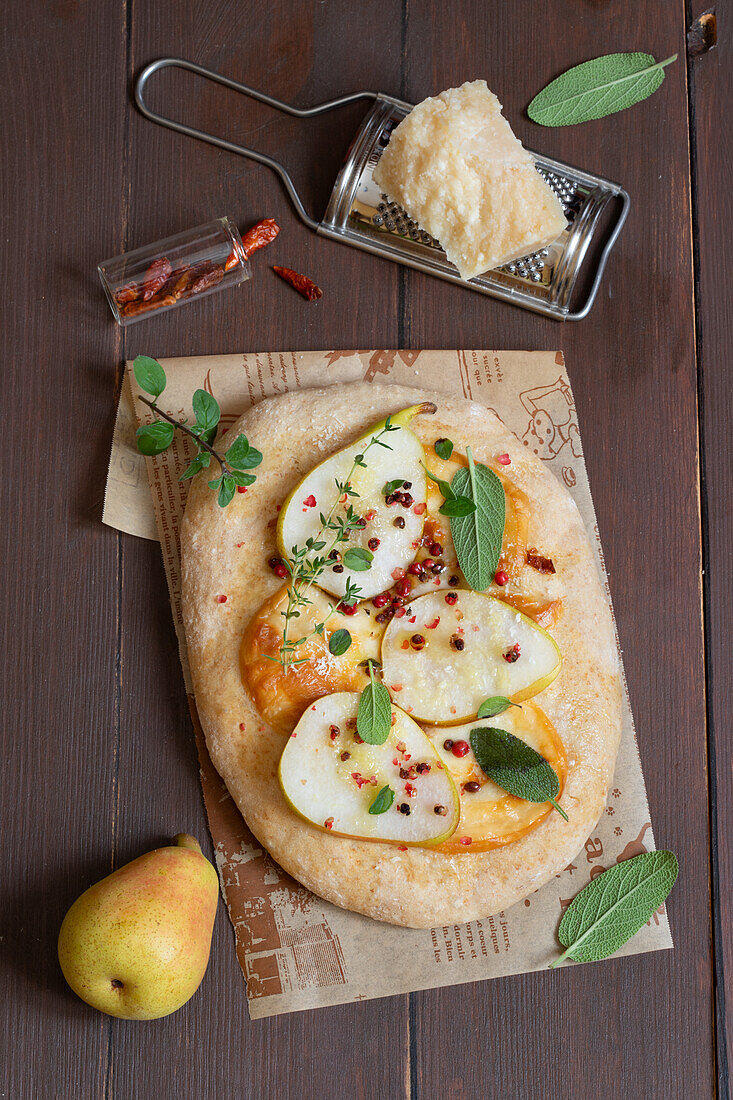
225, 552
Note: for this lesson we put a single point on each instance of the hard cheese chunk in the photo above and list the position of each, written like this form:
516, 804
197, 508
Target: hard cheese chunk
458, 170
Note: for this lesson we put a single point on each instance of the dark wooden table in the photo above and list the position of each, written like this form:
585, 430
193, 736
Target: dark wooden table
99, 761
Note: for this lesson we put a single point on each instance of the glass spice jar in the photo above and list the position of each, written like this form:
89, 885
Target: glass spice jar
186, 266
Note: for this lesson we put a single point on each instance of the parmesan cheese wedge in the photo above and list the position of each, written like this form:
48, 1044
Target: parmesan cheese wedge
456, 167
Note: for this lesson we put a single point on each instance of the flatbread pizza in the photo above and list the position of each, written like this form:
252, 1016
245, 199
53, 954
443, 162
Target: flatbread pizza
403, 659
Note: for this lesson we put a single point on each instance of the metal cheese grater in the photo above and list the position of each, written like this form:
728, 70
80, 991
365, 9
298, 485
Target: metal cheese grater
360, 215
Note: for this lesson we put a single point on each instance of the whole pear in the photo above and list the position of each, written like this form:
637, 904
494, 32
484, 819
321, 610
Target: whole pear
136, 944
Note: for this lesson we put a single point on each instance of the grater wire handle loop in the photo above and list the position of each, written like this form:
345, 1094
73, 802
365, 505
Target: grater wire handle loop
222, 143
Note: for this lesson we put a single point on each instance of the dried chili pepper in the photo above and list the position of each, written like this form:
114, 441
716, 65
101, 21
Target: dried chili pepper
204, 275
156, 277
301, 283
258, 236
539, 562
133, 309
129, 293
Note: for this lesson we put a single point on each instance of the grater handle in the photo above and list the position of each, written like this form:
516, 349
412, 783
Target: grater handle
584, 310
251, 154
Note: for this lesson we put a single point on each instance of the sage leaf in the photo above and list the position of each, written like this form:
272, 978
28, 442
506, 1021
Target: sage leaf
598, 88
477, 537
374, 715
206, 410
149, 375
358, 559
443, 448
382, 801
497, 704
515, 766
458, 506
152, 439
339, 642
615, 905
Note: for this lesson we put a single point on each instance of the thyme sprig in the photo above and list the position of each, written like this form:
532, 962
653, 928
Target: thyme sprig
307, 562
153, 439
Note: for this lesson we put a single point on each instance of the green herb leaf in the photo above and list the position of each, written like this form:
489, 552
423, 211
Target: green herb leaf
477, 537
227, 489
390, 486
200, 462
444, 487
614, 906
515, 766
458, 506
382, 801
242, 455
207, 412
152, 439
374, 716
149, 375
597, 88
240, 478
497, 704
339, 642
358, 559
443, 448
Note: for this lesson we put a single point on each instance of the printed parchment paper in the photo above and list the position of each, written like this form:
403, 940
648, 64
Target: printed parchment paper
297, 951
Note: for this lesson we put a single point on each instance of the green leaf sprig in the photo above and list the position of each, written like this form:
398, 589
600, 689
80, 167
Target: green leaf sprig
515, 766
152, 439
598, 88
477, 536
615, 905
453, 505
497, 704
374, 715
307, 562
339, 642
382, 801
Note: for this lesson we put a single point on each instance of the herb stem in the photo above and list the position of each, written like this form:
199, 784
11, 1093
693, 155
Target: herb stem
225, 469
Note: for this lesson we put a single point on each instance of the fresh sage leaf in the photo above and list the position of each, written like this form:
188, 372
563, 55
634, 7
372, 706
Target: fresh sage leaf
382, 801
515, 766
458, 506
443, 448
206, 410
477, 537
497, 704
374, 715
358, 559
598, 88
339, 642
152, 439
615, 905
149, 375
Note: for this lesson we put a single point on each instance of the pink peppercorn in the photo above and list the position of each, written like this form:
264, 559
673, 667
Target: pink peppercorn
347, 608
504, 460
280, 571
381, 599
221, 599
459, 748
501, 577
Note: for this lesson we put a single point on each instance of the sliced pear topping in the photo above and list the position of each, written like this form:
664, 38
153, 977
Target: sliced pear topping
281, 694
337, 782
454, 649
490, 817
375, 550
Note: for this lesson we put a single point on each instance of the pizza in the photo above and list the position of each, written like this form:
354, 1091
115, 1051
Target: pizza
403, 659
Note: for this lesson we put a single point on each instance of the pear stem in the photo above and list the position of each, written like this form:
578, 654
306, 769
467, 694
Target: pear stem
184, 840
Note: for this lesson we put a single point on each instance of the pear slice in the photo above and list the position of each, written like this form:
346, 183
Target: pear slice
491, 818
335, 794
401, 459
440, 682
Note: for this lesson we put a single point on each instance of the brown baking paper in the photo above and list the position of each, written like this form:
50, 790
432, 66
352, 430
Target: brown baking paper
297, 951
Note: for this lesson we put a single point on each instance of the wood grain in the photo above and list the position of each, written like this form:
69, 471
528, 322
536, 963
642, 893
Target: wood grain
101, 763
712, 87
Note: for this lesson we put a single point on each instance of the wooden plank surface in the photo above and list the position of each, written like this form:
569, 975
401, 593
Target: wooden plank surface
101, 763
711, 83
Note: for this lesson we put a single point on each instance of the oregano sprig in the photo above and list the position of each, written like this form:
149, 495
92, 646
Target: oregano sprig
152, 439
